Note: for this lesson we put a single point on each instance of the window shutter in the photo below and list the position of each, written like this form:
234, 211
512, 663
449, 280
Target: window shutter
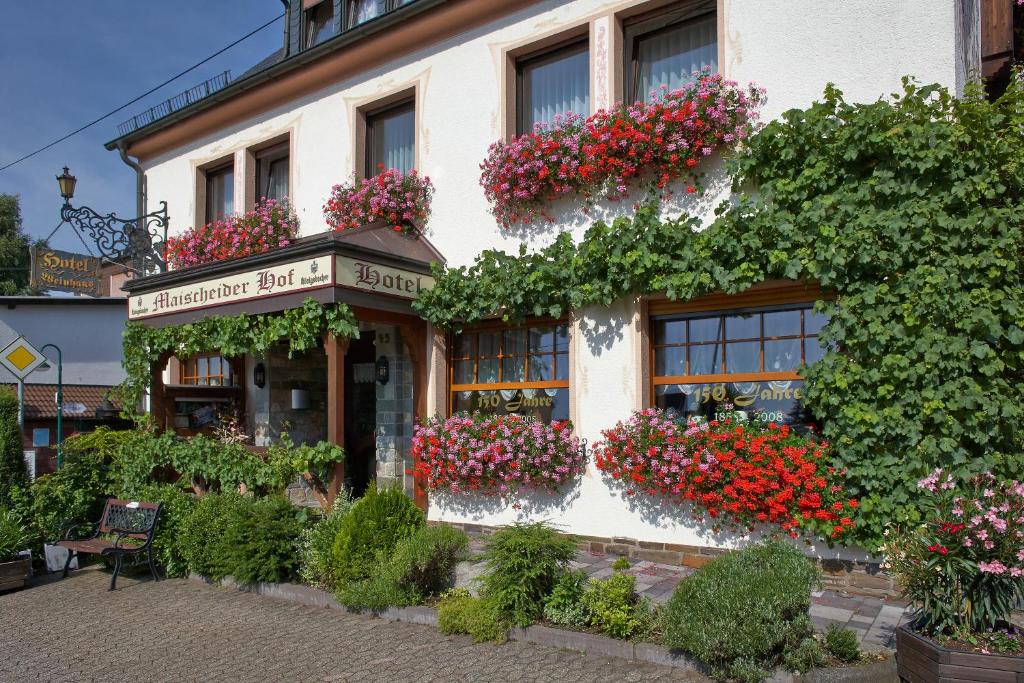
996, 35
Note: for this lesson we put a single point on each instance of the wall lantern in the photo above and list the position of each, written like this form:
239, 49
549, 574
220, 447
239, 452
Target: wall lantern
383, 370
300, 399
259, 375
66, 181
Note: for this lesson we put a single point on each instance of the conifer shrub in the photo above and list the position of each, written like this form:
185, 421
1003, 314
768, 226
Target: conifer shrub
368, 534
261, 541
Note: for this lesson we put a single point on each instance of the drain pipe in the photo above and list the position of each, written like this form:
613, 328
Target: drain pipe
140, 179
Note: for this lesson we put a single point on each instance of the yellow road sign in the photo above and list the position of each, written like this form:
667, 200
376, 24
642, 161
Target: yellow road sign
21, 358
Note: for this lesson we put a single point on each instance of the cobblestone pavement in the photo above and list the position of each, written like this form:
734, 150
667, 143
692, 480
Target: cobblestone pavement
178, 630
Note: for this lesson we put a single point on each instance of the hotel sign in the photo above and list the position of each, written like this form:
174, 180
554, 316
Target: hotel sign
231, 289
287, 278
65, 271
373, 277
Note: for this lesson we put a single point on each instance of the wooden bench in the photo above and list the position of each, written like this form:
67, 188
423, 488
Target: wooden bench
126, 528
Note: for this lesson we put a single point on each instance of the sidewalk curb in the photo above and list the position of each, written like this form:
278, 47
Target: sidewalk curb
589, 643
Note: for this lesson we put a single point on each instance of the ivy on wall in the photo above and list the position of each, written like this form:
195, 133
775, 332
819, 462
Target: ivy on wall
908, 209
303, 327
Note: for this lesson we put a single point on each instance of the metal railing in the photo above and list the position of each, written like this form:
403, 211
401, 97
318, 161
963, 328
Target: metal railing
176, 103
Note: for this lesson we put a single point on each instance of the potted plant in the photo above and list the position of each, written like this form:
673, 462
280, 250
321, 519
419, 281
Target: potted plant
963, 570
14, 539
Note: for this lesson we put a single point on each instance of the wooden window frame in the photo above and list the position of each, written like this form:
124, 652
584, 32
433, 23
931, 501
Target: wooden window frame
191, 380
542, 56
212, 172
653, 22
501, 328
406, 101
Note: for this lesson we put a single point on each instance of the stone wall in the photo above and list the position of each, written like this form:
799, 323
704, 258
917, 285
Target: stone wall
302, 371
394, 410
858, 577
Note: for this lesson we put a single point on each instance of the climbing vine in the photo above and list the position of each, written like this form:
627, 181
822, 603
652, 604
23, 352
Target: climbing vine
909, 210
303, 327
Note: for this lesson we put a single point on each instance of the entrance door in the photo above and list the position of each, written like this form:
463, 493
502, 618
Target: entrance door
360, 414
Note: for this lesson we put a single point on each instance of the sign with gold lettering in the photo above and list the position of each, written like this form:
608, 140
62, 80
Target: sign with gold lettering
65, 271
285, 278
373, 277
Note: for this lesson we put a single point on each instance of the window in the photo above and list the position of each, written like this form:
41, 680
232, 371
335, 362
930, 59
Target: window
361, 11
667, 49
319, 23
40, 437
390, 139
555, 82
220, 193
272, 173
512, 370
748, 358
207, 370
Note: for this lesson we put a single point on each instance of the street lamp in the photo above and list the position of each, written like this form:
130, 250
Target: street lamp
140, 240
60, 394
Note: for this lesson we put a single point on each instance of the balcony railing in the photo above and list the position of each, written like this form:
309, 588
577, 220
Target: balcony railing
176, 103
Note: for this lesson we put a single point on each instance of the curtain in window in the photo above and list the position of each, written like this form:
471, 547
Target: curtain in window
321, 23
556, 86
393, 137
277, 179
364, 10
669, 56
220, 195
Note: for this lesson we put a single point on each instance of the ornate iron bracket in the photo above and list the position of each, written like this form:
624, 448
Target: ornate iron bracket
139, 240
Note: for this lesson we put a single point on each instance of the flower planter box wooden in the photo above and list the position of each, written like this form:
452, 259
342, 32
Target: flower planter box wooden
14, 574
922, 660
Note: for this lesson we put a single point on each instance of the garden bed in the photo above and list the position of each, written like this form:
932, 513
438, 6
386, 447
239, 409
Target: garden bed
589, 643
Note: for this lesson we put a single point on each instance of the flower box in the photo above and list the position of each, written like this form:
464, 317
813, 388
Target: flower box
15, 574
922, 660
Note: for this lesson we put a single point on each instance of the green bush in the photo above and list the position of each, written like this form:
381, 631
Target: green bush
744, 609
367, 535
459, 612
73, 495
420, 566
621, 564
564, 606
614, 607
261, 541
805, 656
523, 563
14, 536
842, 643
177, 506
12, 459
316, 547
201, 538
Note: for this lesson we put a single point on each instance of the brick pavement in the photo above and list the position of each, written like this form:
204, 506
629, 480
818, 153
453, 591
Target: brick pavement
178, 630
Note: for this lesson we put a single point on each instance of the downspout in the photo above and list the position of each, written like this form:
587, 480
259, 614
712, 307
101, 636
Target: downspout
287, 26
140, 179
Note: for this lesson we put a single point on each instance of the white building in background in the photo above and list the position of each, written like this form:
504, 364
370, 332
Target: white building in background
430, 84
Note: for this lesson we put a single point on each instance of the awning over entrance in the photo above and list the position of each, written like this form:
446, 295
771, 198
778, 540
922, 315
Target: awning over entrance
372, 267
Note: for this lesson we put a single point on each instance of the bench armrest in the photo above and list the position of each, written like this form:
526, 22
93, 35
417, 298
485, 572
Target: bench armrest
67, 530
122, 534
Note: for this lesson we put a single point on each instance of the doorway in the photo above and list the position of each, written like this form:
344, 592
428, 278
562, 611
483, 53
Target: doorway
360, 414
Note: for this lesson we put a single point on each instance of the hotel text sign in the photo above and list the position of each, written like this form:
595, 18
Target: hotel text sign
373, 277
65, 271
254, 284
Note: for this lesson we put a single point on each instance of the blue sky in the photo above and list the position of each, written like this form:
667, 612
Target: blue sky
67, 62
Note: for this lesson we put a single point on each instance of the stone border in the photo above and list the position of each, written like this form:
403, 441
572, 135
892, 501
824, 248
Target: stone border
588, 643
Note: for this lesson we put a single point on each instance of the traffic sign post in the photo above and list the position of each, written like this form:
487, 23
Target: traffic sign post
21, 359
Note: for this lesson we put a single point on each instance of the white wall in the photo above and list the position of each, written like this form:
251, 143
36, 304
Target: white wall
791, 47
89, 337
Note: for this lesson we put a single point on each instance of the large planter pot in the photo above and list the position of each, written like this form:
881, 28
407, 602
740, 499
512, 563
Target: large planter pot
922, 660
15, 574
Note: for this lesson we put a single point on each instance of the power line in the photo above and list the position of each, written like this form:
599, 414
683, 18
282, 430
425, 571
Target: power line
148, 92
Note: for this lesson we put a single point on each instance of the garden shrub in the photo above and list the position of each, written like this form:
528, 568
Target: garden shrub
14, 535
808, 655
177, 506
368, 534
743, 610
75, 494
621, 564
842, 643
459, 612
13, 473
564, 605
613, 606
261, 541
523, 563
201, 538
316, 547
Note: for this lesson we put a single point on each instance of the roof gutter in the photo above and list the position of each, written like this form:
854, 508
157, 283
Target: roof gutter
289, 64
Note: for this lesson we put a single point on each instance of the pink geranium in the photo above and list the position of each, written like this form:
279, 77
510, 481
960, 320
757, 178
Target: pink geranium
272, 224
400, 200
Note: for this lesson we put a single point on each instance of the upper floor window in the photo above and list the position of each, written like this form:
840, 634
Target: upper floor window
664, 50
391, 138
360, 11
220, 193
512, 370
555, 82
748, 358
207, 370
319, 23
272, 173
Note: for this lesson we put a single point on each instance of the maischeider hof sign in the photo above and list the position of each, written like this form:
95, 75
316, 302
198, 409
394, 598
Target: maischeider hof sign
65, 271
